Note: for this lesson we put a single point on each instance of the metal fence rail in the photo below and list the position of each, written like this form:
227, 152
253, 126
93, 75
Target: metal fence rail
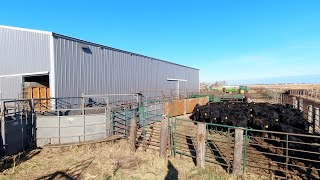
16, 126
151, 112
269, 153
284, 155
219, 144
309, 108
28, 123
184, 137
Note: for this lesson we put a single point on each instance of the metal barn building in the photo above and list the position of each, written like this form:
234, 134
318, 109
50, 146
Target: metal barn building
68, 67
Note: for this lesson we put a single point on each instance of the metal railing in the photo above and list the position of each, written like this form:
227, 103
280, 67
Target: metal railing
269, 153
151, 112
312, 94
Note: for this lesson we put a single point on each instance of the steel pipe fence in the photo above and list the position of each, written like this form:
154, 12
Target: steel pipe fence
269, 153
28, 123
184, 138
17, 126
219, 145
151, 112
309, 108
312, 94
284, 155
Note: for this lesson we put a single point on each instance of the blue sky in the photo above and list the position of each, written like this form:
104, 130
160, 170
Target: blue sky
226, 40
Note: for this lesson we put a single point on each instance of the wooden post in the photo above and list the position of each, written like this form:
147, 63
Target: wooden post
201, 145
300, 104
316, 119
3, 128
310, 118
185, 106
295, 102
164, 137
133, 133
237, 154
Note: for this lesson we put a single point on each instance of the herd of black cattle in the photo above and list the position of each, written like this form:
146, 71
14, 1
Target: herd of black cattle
263, 116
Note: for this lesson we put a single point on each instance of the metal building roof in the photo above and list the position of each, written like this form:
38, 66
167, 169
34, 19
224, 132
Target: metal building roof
90, 43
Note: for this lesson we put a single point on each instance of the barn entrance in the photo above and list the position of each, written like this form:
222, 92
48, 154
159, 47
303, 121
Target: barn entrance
181, 84
37, 87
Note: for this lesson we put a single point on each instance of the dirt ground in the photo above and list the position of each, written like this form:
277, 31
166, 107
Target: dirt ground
108, 161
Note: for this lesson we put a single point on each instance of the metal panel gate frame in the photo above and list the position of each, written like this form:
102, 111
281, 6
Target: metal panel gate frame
151, 112
263, 151
16, 119
280, 152
216, 140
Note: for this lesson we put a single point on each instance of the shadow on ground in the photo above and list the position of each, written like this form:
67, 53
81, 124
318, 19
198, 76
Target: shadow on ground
12, 161
172, 173
71, 173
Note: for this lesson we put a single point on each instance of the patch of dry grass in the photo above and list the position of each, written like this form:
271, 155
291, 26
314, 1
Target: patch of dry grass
110, 161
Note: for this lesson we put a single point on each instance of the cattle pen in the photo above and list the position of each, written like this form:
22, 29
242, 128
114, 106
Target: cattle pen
163, 124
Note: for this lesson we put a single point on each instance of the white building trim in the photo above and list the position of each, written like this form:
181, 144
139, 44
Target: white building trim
52, 77
26, 74
27, 30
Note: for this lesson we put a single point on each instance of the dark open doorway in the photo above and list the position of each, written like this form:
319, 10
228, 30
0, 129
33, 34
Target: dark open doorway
37, 87
36, 81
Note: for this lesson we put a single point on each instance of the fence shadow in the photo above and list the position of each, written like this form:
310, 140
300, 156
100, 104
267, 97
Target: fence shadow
192, 149
9, 162
215, 152
71, 173
277, 158
172, 173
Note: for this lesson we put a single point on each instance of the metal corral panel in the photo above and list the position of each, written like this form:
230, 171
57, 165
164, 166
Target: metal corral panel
17, 134
71, 129
82, 67
23, 51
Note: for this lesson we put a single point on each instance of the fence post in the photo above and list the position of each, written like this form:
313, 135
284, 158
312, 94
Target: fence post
300, 104
201, 144
3, 129
184, 106
164, 137
237, 154
82, 104
294, 102
133, 133
310, 119
316, 119
109, 123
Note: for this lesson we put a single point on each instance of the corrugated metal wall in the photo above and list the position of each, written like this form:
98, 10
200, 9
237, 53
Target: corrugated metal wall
101, 70
22, 52
10, 87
